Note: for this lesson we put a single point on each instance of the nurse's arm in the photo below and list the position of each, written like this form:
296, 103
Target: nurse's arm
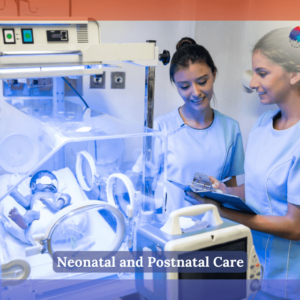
287, 227
238, 191
232, 182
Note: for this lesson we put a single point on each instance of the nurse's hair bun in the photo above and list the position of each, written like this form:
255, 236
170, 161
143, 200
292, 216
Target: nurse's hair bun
189, 52
185, 41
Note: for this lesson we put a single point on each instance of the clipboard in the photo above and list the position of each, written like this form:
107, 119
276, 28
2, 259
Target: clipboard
228, 201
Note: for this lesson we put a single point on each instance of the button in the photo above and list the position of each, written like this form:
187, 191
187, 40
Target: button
9, 36
255, 286
252, 275
27, 36
251, 267
258, 274
257, 265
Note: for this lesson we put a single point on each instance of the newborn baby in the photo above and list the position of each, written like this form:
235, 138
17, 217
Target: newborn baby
44, 200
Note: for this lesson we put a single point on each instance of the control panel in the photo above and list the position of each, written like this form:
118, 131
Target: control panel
254, 265
40, 45
254, 275
24, 35
10, 36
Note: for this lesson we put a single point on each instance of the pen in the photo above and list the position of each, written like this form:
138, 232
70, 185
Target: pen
225, 179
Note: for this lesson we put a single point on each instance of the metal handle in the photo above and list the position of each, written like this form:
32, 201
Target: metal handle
212, 216
40, 53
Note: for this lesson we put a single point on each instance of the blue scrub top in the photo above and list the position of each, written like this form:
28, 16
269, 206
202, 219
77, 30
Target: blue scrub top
216, 151
272, 179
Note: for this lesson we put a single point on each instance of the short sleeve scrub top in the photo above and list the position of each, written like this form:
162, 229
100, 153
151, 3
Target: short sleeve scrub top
272, 180
216, 151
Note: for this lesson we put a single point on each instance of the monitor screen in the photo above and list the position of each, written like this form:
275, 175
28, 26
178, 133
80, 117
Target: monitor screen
226, 283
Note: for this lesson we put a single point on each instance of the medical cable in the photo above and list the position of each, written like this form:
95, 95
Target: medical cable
69, 84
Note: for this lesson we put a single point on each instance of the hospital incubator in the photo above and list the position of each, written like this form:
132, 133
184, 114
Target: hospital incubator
92, 156
113, 171
113, 207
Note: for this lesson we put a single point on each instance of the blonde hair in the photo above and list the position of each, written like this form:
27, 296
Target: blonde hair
278, 47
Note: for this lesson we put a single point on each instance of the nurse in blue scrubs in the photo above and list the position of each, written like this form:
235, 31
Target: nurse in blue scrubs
200, 139
272, 165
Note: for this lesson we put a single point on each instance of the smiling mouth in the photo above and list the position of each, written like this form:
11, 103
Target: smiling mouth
198, 100
261, 93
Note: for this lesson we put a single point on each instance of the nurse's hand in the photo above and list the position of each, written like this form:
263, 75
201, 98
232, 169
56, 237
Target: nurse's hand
202, 200
216, 184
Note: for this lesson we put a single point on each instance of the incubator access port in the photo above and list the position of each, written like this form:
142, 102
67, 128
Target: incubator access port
118, 80
97, 81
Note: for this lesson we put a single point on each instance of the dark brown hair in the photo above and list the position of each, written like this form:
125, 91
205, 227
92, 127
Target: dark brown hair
189, 52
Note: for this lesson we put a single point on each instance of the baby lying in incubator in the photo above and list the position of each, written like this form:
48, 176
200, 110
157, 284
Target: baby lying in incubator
43, 200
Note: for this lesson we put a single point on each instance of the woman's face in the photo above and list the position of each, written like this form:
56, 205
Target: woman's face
195, 85
271, 81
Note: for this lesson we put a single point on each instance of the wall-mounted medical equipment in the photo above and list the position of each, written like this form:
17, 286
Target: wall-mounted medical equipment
220, 235
36, 49
47, 49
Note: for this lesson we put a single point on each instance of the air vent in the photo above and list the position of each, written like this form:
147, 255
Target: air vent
82, 33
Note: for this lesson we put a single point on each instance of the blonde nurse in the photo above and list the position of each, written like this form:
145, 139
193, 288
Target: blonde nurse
272, 165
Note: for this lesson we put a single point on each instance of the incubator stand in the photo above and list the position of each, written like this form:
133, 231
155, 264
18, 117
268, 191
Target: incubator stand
113, 171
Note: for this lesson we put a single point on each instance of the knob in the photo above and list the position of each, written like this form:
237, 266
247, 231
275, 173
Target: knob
164, 57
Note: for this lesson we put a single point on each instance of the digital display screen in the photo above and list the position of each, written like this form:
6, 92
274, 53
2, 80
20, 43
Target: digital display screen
57, 36
237, 291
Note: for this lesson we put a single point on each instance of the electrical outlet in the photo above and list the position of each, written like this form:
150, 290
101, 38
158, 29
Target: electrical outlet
97, 82
118, 80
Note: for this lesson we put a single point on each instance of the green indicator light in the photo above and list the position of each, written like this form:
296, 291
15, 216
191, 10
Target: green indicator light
9, 36
27, 35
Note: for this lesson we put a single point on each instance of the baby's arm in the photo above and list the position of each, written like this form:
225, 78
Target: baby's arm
24, 201
57, 205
